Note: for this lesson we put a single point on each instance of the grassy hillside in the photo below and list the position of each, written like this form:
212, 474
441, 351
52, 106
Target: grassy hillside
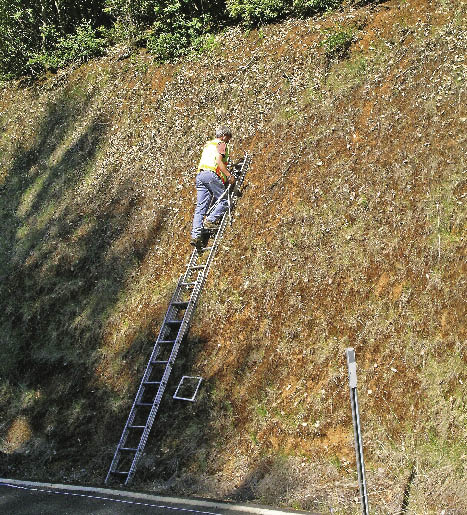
351, 232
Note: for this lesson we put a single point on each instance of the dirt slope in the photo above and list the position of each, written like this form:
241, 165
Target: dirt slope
351, 232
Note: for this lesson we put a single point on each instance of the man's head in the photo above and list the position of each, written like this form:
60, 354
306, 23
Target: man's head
224, 133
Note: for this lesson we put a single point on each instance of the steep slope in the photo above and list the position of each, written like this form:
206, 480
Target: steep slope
350, 233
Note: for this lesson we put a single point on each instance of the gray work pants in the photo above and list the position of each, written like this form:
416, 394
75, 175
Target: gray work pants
208, 186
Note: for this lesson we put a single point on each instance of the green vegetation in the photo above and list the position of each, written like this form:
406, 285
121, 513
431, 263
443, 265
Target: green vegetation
73, 48
33, 34
48, 35
337, 41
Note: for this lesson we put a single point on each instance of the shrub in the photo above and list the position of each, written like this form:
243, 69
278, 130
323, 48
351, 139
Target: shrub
75, 48
129, 18
49, 35
30, 32
18, 37
337, 42
308, 7
179, 27
257, 12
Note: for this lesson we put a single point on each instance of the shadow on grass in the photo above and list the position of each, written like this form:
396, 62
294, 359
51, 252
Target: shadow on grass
408, 486
59, 277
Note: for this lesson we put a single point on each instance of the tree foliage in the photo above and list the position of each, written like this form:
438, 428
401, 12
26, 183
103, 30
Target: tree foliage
182, 25
31, 28
47, 34
254, 12
78, 47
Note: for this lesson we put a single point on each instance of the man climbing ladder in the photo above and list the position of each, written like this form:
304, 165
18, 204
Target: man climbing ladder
174, 328
211, 181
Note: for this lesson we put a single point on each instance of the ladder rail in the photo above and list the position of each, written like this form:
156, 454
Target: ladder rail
165, 378
141, 388
180, 335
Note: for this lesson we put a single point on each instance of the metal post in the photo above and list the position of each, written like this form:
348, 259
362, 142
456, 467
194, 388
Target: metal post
352, 366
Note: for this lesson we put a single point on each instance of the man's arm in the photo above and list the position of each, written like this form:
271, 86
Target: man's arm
223, 168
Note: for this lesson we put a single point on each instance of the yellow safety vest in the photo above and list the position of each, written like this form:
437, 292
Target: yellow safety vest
208, 159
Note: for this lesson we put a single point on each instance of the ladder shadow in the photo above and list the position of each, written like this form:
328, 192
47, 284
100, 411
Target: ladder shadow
59, 280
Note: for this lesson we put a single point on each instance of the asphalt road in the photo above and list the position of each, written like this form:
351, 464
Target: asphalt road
27, 498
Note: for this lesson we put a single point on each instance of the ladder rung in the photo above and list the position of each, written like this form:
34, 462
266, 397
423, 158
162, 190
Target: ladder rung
189, 285
173, 322
169, 362
119, 473
144, 404
151, 382
136, 427
197, 267
127, 449
180, 304
166, 341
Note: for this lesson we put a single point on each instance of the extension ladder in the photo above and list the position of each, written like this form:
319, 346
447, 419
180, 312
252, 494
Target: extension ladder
174, 328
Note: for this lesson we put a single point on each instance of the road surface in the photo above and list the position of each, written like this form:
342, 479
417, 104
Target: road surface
29, 498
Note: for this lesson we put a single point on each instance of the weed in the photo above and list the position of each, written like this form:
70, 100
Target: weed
337, 42
346, 74
336, 462
254, 438
209, 44
287, 114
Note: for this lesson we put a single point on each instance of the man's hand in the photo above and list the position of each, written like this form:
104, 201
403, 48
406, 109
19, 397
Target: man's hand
231, 179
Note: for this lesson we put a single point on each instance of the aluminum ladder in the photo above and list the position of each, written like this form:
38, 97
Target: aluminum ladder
174, 328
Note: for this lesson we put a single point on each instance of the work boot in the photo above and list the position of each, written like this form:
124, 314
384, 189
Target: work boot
197, 242
210, 226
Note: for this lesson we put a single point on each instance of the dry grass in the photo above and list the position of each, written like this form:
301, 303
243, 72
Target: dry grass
350, 233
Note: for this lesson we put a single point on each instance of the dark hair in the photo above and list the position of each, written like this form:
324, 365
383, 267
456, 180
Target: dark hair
223, 130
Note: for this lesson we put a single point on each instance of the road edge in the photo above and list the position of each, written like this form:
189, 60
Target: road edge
154, 498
